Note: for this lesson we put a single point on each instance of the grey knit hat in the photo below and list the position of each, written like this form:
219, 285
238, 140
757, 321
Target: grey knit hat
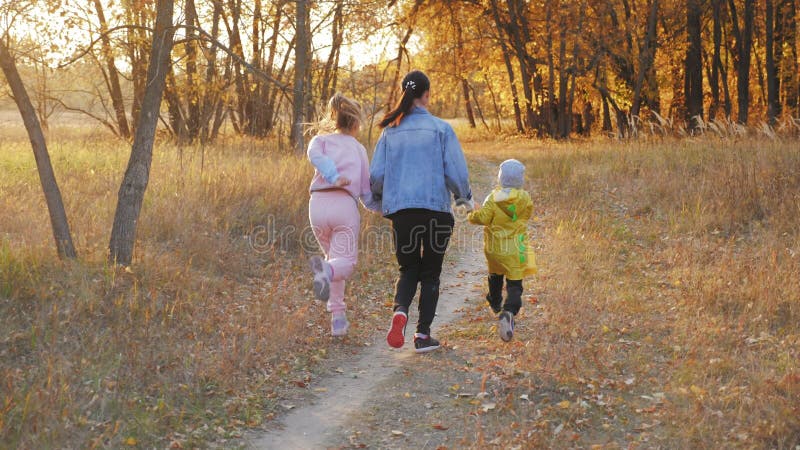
512, 174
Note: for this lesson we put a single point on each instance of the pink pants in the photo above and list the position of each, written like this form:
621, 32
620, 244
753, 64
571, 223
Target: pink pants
336, 222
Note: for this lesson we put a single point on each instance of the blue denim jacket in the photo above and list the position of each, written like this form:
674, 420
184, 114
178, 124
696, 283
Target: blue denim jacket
416, 163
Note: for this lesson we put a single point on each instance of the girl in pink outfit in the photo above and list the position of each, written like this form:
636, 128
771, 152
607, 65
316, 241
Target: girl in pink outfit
340, 180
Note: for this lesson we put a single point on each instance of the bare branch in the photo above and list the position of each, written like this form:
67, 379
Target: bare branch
107, 33
82, 111
204, 35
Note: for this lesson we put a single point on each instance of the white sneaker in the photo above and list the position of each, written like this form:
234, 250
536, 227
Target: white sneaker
339, 324
322, 277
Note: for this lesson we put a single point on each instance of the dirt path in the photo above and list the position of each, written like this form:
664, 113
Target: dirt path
379, 375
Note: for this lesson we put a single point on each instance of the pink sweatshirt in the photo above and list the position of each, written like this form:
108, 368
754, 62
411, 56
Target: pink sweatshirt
335, 155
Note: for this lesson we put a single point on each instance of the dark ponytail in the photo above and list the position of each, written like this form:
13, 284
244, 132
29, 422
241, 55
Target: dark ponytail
414, 86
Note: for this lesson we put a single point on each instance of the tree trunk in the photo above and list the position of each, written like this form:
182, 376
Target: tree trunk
716, 61
137, 53
727, 102
265, 119
401, 50
563, 80
254, 107
693, 73
550, 111
460, 70
606, 116
478, 106
115, 91
497, 114
327, 81
520, 36
573, 71
646, 58
175, 112
773, 86
211, 93
300, 67
137, 174
786, 48
52, 195
274, 102
192, 88
744, 45
759, 69
239, 112
622, 122
509, 68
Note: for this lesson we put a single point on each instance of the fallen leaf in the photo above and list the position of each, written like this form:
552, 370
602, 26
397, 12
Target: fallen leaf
488, 406
439, 426
131, 441
697, 390
564, 404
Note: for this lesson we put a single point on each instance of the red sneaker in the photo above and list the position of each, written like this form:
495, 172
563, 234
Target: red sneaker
397, 333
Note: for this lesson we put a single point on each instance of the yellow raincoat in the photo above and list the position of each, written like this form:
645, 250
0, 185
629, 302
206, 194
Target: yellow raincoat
505, 214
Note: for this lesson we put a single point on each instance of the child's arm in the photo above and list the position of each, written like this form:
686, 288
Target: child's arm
527, 209
367, 198
324, 164
484, 215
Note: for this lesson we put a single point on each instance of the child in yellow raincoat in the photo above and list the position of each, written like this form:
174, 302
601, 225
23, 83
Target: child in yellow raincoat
504, 215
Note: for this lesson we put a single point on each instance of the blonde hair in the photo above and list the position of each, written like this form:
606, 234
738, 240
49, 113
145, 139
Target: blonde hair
342, 114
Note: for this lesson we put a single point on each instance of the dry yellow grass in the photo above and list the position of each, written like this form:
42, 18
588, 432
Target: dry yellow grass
193, 343
668, 298
669, 269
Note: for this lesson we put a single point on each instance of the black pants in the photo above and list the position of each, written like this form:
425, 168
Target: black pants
421, 237
514, 290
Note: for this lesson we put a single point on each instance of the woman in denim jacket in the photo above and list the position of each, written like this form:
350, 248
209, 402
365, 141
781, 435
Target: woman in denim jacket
417, 164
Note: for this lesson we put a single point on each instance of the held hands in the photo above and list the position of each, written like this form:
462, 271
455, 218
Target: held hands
467, 205
342, 182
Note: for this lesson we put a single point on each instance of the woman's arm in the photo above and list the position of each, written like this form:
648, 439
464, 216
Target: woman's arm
456, 175
324, 164
377, 168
